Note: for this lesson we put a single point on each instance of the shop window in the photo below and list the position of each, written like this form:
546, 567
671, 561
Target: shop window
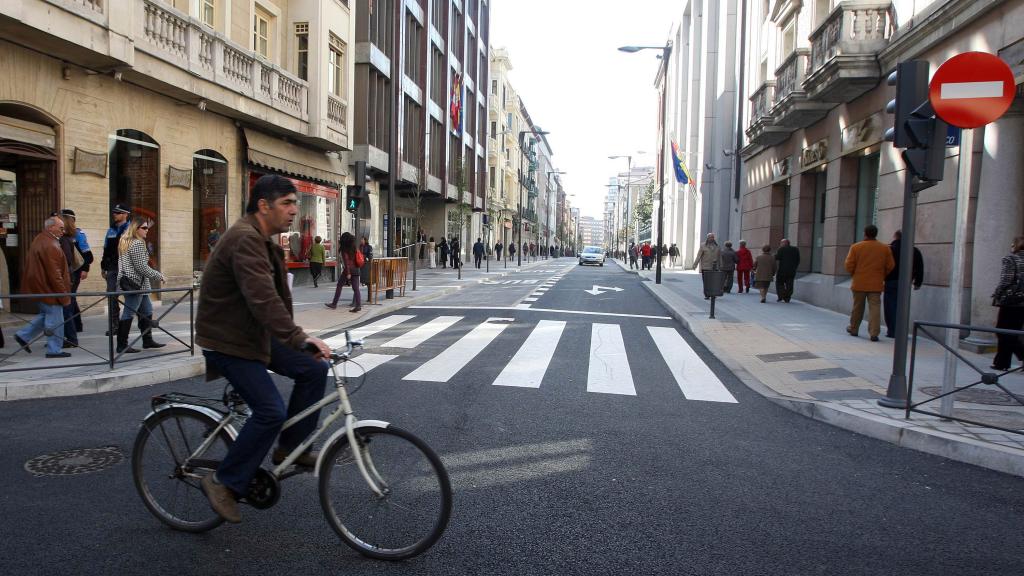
209, 204
867, 194
318, 216
135, 179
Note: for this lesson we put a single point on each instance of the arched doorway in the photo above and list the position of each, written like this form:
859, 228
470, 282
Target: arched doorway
135, 179
209, 203
29, 190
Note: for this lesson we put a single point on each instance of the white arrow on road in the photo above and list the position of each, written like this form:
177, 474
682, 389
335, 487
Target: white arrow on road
602, 289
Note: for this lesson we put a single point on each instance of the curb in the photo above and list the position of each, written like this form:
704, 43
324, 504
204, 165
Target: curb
902, 434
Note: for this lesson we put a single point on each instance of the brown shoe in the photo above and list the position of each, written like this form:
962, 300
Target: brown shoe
307, 459
222, 499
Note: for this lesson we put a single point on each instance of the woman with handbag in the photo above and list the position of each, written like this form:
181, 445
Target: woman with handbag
134, 273
1009, 297
351, 260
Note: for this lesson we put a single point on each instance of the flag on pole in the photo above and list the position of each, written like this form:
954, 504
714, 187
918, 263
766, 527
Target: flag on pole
455, 108
682, 176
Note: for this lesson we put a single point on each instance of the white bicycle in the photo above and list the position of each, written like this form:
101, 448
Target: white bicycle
389, 498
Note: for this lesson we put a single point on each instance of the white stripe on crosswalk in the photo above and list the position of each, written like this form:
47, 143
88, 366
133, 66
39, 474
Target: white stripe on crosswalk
363, 363
527, 367
609, 368
448, 363
421, 334
378, 326
693, 376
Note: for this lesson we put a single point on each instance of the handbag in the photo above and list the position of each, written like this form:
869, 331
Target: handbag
77, 261
128, 284
360, 259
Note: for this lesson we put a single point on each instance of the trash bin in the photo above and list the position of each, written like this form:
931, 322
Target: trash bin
714, 282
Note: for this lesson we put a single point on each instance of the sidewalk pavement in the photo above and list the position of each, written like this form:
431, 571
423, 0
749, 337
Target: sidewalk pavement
800, 356
54, 377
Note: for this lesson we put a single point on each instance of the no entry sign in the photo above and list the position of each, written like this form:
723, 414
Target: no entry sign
972, 89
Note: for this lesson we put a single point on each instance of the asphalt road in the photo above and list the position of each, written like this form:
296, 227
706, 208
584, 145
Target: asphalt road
557, 479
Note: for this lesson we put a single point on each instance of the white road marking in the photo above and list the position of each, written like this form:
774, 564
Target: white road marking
527, 367
363, 363
521, 307
609, 368
421, 334
448, 363
693, 376
962, 90
338, 340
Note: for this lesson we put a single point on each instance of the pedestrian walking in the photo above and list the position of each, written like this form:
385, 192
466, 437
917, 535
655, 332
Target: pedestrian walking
421, 238
673, 255
511, 251
729, 260
432, 251
317, 257
633, 254
789, 260
46, 272
442, 248
497, 251
1009, 297
78, 261
662, 253
366, 268
869, 262
708, 258
478, 252
134, 273
744, 264
119, 214
456, 248
645, 256
890, 294
764, 271
351, 261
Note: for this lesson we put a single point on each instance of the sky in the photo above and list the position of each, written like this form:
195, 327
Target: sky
593, 99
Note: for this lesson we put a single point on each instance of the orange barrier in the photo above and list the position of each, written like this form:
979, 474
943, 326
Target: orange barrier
387, 274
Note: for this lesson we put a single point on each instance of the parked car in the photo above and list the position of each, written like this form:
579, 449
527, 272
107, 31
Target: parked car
592, 255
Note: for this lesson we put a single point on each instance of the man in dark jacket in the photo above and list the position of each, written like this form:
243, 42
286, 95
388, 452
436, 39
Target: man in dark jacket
478, 252
46, 273
245, 326
729, 259
108, 263
890, 300
788, 260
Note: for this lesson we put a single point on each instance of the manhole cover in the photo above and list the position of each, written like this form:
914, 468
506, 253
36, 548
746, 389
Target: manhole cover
71, 462
977, 395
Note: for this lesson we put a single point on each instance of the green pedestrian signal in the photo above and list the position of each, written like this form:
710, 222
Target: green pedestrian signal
353, 204
353, 197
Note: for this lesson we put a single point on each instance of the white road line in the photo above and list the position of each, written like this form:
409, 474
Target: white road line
609, 368
520, 307
529, 299
363, 363
693, 376
961, 90
421, 334
370, 329
527, 367
448, 363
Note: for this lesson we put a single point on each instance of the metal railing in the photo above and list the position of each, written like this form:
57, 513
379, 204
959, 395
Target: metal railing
985, 378
112, 356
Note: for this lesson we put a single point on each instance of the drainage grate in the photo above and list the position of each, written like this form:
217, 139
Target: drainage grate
71, 462
977, 396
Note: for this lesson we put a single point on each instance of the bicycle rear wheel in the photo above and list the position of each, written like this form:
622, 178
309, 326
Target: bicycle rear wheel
414, 509
166, 482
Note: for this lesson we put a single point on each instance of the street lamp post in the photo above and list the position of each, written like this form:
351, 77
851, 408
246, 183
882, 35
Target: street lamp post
666, 54
519, 241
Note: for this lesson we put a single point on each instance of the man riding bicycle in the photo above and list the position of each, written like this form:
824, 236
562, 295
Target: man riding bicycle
245, 326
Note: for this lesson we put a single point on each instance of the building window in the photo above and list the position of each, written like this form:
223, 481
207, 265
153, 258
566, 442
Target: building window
494, 87
788, 38
437, 76
261, 32
206, 11
413, 42
867, 194
336, 67
494, 129
302, 49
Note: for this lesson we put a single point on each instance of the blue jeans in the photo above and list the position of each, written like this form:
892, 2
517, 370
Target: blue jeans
250, 379
137, 303
50, 318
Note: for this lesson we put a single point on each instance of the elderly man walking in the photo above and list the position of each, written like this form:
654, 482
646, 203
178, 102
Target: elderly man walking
47, 273
789, 260
729, 261
709, 257
869, 261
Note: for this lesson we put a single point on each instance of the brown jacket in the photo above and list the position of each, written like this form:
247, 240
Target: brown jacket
244, 298
47, 270
869, 261
765, 267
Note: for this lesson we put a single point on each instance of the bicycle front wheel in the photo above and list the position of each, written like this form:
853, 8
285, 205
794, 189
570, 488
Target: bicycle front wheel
166, 478
413, 510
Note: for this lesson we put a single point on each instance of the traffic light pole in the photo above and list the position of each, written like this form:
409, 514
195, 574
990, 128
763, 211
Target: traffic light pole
896, 395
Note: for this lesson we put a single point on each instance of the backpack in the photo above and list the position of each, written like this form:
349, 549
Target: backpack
360, 259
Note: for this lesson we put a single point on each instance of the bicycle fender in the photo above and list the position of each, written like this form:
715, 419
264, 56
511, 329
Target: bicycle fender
341, 433
216, 416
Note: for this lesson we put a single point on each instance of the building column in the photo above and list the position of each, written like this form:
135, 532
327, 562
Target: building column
998, 217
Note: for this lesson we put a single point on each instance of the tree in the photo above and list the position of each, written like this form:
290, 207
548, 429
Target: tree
644, 206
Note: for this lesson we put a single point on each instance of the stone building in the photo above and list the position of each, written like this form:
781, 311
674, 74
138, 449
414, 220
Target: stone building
172, 107
816, 169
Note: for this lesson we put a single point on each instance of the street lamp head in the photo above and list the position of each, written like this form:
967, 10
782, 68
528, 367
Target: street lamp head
630, 49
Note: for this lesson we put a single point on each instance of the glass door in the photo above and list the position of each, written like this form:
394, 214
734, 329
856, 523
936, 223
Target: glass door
818, 226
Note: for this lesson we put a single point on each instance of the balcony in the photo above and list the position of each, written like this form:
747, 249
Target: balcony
337, 113
762, 130
844, 51
793, 109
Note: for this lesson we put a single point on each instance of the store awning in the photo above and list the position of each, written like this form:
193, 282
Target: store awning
276, 154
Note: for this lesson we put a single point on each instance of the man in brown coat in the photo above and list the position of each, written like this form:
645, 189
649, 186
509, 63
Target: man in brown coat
869, 262
47, 273
245, 326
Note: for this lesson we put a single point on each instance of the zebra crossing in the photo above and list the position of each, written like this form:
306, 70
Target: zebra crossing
540, 290
608, 362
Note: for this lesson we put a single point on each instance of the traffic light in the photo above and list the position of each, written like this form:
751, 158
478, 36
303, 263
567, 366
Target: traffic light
353, 196
911, 82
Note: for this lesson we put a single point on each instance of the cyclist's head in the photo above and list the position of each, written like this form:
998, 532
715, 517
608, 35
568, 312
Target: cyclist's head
269, 187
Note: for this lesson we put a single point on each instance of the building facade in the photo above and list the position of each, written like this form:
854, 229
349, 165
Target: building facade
591, 232
174, 108
816, 170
